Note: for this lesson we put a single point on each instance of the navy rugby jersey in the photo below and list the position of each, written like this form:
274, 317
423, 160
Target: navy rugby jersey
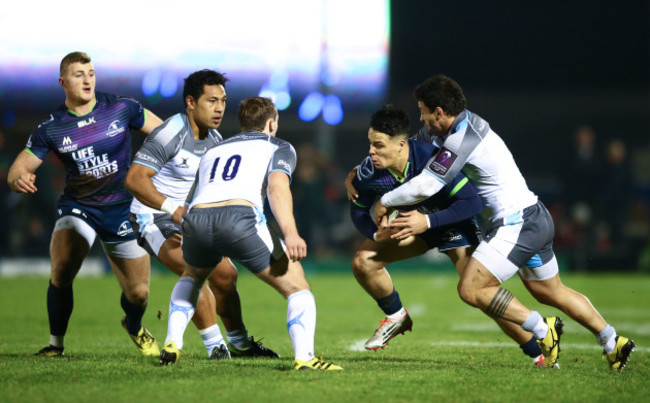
95, 148
372, 183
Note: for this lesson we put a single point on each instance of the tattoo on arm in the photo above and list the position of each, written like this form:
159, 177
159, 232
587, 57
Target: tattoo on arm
499, 303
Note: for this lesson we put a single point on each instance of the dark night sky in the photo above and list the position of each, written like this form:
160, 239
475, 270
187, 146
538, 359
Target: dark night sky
535, 71
487, 45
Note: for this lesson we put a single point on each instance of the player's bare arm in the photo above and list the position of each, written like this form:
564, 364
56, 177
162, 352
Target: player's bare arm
21, 177
138, 182
151, 122
281, 201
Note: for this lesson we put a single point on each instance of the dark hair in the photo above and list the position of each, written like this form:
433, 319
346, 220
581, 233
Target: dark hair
390, 120
74, 57
195, 82
441, 91
254, 112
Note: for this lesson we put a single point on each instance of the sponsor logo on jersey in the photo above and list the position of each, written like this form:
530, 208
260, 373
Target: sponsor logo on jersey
145, 157
202, 151
442, 161
67, 145
88, 163
87, 122
285, 165
124, 229
114, 128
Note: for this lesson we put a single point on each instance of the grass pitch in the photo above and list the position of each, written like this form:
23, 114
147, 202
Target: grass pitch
454, 353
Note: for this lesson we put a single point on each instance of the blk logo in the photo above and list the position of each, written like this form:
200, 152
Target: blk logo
86, 122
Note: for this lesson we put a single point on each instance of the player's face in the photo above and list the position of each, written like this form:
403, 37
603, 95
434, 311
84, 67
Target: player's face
386, 151
208, 110
433, 120
78, 82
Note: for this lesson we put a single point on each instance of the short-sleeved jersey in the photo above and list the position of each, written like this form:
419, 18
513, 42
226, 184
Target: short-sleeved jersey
238, 168
474, 148
94, 148
372, 183
173, 152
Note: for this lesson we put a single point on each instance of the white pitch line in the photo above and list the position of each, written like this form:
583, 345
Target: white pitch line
495, 344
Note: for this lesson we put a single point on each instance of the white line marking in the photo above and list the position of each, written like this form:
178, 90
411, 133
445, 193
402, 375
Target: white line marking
479, 344
358, 345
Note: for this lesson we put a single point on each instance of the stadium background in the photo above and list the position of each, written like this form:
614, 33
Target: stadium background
542, 74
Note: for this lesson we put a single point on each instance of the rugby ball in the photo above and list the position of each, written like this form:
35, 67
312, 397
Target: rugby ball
393, 215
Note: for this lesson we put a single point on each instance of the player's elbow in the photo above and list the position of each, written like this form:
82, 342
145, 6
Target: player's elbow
424, 186
130, 183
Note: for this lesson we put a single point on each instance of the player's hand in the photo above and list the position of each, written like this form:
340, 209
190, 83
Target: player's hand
352, 192
409, 223
296, 247
380, 211
178, 215
25, 183
384, 232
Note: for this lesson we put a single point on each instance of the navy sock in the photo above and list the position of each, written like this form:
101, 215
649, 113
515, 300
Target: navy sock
134, 314
59, 308
531, 348
390, 304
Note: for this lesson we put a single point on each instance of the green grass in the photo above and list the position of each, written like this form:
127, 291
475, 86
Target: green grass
454, 353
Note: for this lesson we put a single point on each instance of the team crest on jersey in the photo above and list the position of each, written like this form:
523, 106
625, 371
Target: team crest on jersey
183, 163
114, 128
124, 229
442, 161
67, 146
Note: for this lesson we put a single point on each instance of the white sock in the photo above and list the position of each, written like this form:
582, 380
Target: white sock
536, 325
211, 337
301, 324
56, 341
185, 296
397, 315
607, 339
239, 338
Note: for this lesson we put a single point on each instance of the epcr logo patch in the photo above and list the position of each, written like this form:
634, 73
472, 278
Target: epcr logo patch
124, 229
442, 161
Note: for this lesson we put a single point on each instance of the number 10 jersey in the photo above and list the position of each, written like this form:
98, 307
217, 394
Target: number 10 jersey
238, 168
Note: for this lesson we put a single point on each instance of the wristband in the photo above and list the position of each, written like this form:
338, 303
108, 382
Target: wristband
169, 206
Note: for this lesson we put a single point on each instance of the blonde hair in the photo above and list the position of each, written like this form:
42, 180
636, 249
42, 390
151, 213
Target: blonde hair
74, 57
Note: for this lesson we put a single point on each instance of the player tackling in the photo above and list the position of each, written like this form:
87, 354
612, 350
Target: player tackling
520, 229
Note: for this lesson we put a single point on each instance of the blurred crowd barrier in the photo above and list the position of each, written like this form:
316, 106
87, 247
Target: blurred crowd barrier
598, 195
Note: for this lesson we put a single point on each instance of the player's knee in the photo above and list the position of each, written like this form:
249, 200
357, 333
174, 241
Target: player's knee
224, 279
139, 294
361, 263
466, 293
64, 272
